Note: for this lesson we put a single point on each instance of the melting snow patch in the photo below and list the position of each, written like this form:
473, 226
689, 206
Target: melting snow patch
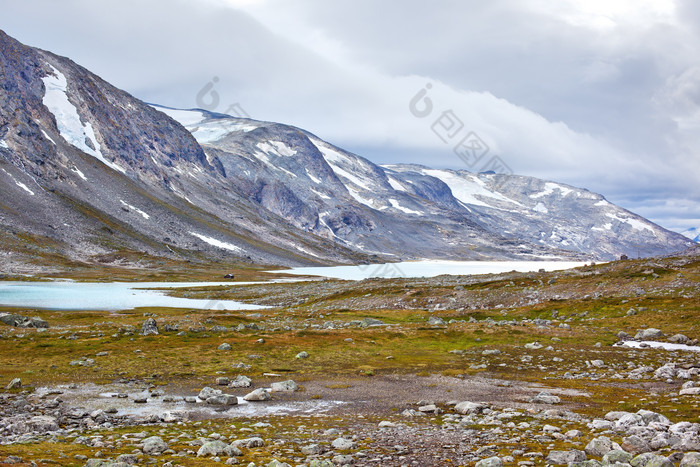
359, 198
24, 187
395, 204
658, 345
540, 208
3, 144
184, 117
602, 202
634, 223
80, 174
145, 216
19, 184
395, 184
467, 188
314, 179
549, 188
217, 243
320, 194
68, 121
48, 137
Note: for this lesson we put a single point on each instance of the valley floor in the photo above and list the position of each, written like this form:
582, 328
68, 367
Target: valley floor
515, 369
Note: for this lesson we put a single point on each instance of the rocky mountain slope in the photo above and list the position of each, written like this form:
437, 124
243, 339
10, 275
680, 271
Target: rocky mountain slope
86, 170
413, 211
88, 173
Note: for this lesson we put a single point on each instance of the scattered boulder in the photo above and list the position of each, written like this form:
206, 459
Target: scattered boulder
149, 327
15, 384
600, 446
342, 444
303, 354
545, 398
617, 456
217, 448
469, 408
635, 445
224, 346
436, 321
690, 459
284, 386
650, 460
260, 394
241, 381
20, 321
222, 399
649, 333
490, 462
565, 457
154, 446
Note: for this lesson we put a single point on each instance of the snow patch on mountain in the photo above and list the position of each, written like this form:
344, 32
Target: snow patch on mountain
540, 208
468, 188
321, 195
635, 223
692, 233
80, 174
314, 179
3, 144
395, 204
184, 117
68, 121
395, 184
549, 188
277, 148
217, 243
135, 209
18, 183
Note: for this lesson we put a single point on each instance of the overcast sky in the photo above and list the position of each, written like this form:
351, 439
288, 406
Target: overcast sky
601, 94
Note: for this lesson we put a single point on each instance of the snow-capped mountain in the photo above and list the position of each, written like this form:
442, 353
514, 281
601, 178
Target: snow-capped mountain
86, 171
413, 211
692, 233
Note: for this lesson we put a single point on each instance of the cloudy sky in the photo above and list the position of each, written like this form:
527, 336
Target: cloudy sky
601, 94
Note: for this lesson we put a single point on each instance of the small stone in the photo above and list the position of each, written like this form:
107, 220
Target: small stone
223, 381
15, 384
222, 399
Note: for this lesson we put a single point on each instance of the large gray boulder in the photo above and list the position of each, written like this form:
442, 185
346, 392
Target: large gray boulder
650, 460
600, 446
154, 446
565, 457
20, 321
284, 386
469, 408
490, 462
149, 327
260, 394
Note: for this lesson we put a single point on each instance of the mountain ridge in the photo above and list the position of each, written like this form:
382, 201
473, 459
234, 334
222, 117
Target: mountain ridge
87, 170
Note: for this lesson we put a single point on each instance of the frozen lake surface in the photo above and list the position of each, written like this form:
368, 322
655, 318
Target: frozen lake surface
68, 295
431, 268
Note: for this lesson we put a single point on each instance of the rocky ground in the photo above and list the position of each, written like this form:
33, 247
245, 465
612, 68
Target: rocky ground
518, 369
